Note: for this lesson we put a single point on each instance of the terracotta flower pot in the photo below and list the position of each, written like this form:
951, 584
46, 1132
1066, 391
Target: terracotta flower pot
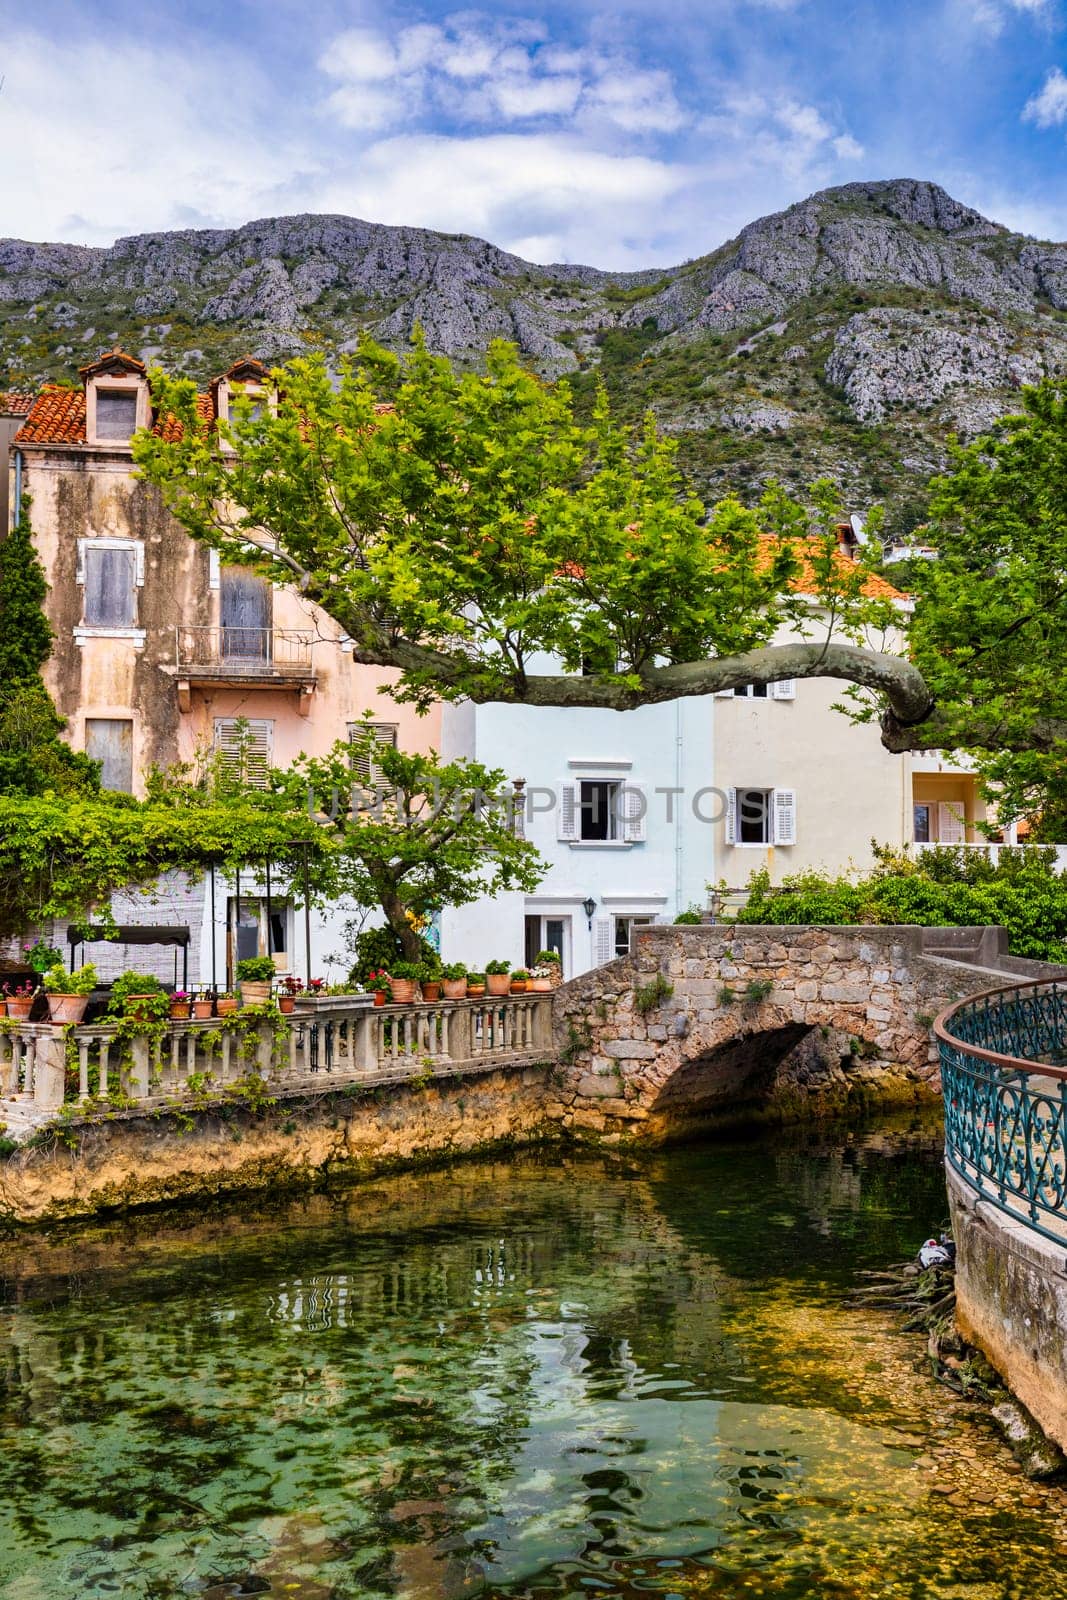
498, 982
286, 1002
201, 1009
379, 997
3, 1008
254, 991
226, 1005
20, 1005
403, 991
518, 986
539, 985
455, 988
67, 1007
431, 990
181, 1010
139, 1007
475, 991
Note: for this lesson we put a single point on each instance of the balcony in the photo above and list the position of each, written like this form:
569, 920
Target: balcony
263, 658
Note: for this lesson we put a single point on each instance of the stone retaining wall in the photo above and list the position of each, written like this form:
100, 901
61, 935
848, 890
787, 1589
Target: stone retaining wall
1011, 1301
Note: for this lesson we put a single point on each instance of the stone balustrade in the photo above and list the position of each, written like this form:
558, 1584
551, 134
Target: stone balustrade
341, 1040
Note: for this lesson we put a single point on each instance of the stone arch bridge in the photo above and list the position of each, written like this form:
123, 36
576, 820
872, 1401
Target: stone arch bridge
698, 1026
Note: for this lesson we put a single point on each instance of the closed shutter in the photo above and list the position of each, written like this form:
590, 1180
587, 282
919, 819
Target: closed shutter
784, 689
784, 816
731, 816
568, 813
110, 577
605, 940
245, 608
109, 740
364, 766
244, 748
950, 825
633, 807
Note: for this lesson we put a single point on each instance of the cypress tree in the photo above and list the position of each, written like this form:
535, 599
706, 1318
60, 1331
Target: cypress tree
33, 758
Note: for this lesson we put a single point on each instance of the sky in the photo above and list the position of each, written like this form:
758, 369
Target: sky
623, 135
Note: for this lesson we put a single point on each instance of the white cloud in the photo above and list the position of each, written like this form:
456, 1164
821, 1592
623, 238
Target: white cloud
993, 16
476, 71
1048, 108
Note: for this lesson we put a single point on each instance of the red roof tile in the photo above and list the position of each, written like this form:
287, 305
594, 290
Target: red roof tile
57, 416
15, 403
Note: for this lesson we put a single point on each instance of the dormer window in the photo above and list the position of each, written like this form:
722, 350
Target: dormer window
116, 414
249, 379
117, 400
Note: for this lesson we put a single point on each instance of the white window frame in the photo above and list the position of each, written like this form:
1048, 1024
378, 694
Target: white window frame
94, 630
116, 383
781, 817
782, 689
629, 809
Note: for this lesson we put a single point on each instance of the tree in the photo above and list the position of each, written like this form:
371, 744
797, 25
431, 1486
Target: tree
461, 526
413, 834
34, 760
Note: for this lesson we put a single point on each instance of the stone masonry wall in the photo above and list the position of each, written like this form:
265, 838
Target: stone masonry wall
847, 1009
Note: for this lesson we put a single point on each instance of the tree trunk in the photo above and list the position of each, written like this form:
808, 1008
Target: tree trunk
396, 916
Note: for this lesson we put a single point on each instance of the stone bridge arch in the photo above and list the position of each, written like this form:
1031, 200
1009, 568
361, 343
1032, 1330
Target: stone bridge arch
760, 1022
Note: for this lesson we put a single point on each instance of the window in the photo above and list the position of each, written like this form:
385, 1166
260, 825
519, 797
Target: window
624, 926
751, 691
110, 741
761, 816
116, 413
922, 824
544, 933
784, 689
364, 765
252, 933
600, 811
110, 575
244, 748
951, 828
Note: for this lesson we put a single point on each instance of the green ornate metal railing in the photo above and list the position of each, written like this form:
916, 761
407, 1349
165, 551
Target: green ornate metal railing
1004, 1081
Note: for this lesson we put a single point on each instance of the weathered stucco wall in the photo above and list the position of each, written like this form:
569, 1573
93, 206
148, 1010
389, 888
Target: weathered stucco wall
1011, 1301
847, 1011
135, 1159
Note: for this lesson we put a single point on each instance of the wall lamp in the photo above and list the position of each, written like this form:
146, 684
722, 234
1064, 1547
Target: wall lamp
589, 906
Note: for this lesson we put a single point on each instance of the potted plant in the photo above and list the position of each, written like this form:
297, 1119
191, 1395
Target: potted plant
475, 985
540, 980
225, 1005
68, 992
403, 979
519, 979
255, 976
454, 980
42, 957
203, 1006
497, 980
378, 986
138, 995
430, 980
20, 999
181, 1005
552, 960
291, 988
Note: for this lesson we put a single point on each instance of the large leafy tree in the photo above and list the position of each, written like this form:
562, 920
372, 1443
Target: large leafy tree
412, 834
467, 527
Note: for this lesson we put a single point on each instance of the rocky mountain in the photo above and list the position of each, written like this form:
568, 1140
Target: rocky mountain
848, 334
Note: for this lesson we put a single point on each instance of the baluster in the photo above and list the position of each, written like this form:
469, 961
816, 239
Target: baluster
291, 1048
446, 1034
224, 1062
103, 1086
83, 1069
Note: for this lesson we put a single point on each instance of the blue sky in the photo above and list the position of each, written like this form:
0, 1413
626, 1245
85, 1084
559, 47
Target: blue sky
622, 135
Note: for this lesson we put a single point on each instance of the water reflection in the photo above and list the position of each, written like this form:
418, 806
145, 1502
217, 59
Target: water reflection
534, 1378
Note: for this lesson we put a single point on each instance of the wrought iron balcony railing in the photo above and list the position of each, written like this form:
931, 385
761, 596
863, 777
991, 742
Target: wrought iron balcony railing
1004, 1082
243, 652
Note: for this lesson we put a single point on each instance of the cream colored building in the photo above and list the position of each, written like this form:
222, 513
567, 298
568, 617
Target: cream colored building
160, 650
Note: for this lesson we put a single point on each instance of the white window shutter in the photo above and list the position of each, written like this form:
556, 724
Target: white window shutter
245, 750
784, 689
568, 813
950, 824
784, 802
605, 941
731, 816
214, 569
365, 768
724, 694
634, 807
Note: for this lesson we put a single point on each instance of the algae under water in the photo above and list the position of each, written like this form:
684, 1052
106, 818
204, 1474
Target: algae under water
542, 1377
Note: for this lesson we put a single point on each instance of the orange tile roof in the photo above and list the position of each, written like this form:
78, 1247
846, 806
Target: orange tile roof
15, 403
804, 581
57, 416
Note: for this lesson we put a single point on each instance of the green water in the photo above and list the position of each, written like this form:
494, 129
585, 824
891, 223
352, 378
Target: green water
541, 1377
